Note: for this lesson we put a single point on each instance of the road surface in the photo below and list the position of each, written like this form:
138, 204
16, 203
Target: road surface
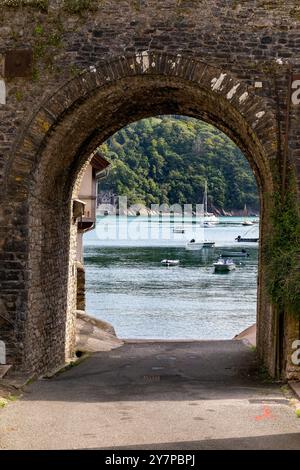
160, 395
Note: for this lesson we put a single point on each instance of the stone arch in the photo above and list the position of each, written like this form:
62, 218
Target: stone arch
55, 146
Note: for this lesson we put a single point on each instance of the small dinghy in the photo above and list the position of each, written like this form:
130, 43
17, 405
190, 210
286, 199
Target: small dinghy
247, 240
224, 265
170, 262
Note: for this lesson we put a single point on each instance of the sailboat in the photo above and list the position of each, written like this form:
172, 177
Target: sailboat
246, 221
209, 217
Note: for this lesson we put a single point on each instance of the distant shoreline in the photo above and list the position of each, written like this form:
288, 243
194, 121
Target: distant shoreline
145, 211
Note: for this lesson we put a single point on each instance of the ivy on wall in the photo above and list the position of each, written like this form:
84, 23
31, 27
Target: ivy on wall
283, 251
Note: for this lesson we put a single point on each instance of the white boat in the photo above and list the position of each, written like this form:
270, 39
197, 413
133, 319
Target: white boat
170, 262
208, 244
209, 217
246, 221
224, 265
207, 224
193, 245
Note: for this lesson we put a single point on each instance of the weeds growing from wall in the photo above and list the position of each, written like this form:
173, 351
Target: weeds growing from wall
283, 251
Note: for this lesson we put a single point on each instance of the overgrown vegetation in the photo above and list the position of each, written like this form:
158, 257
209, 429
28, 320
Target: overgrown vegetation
47, 42
283, 252
78, 6
167, 160
72, 6
41, 5
6, 400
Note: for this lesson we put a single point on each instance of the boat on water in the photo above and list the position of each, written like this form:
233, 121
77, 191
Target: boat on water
209, 217
193, 245
207, 224
170, 262
246, 221
178, 229
247, 240
208, 244
224, 265
235, 254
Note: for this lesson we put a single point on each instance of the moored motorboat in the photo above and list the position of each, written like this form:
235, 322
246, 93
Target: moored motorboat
170, 262
208, 244
224, 265
193, 245
247, 240
178, 229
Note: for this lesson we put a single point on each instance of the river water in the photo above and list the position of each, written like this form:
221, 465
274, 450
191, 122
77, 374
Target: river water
127, 286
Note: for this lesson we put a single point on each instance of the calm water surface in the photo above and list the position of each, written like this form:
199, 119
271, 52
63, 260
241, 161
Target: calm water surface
127, 286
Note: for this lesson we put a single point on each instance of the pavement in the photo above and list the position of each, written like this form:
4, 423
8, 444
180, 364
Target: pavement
156, 395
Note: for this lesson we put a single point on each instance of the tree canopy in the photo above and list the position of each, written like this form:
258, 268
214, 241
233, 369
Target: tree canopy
166, 159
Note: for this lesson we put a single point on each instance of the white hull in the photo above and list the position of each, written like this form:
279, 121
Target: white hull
194, 246
247, 222
212, 218
224, 265
170, 262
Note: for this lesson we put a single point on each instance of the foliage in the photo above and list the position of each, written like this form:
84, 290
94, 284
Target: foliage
38, 4
167, 160
46, 44
283, 253
78, 6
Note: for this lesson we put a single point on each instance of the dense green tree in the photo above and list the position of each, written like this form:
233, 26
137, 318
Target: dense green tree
167, 160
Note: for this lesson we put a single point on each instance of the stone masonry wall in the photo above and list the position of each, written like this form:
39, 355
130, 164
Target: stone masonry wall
255, 41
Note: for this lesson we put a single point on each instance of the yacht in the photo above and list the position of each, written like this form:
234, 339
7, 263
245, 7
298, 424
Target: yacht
209, 217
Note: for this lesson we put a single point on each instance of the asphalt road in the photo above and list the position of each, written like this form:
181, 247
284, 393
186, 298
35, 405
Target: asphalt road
162, 395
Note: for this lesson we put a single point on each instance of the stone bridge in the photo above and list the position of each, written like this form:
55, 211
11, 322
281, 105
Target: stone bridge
73, 72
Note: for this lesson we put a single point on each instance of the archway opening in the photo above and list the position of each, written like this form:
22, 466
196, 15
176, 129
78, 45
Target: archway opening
161, 170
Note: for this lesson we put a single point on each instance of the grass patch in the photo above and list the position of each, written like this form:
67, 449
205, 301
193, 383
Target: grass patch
298, 412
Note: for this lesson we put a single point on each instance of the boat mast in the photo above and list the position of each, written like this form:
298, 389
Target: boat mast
205, 198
